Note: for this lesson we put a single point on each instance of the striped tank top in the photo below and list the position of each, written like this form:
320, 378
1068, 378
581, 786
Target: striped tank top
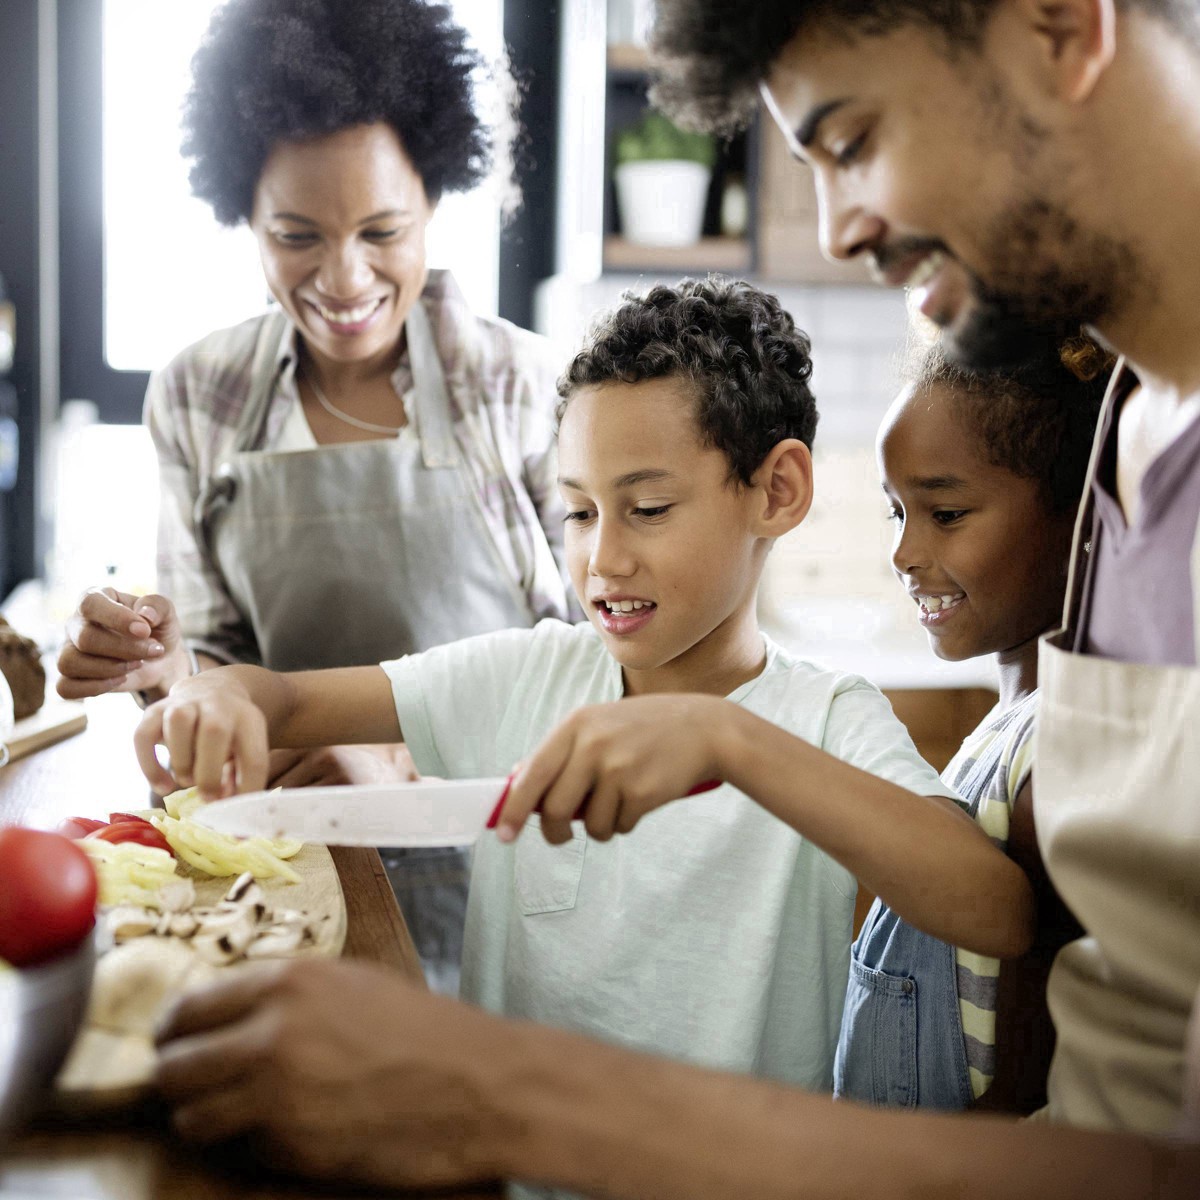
1008, 731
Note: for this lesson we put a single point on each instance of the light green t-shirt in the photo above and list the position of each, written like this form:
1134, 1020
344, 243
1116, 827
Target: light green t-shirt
713, 933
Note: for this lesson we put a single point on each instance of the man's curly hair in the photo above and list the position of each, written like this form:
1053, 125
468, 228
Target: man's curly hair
1037, 421
743, 355
711, 55
280, 70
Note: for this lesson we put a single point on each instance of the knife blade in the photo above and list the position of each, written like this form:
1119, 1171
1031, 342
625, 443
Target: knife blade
427, 812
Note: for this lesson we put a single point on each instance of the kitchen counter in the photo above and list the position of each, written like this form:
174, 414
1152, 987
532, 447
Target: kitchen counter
133, 1156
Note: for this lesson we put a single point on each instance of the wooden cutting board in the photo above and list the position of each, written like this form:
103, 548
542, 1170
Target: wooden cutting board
107, 1070
55, 720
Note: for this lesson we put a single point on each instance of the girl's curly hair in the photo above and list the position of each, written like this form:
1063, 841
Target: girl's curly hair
744, 356
282, 70
1037, 421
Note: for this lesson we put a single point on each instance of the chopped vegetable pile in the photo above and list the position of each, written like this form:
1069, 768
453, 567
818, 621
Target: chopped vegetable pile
134, 853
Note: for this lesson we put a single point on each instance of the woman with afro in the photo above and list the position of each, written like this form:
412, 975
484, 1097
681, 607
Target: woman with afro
365, 470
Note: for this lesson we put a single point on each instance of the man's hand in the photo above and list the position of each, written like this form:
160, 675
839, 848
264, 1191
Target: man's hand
331, 765
623, 760
215, 735
117, 642
338, 1070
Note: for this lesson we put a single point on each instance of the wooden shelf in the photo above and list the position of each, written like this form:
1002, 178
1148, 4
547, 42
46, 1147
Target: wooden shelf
625, 57
725, 254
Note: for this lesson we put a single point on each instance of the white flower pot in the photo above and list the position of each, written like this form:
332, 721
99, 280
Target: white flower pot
661, 203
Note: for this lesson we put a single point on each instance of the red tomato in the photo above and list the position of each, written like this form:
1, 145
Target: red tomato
119, 818
77, 827
141, 832
48, 897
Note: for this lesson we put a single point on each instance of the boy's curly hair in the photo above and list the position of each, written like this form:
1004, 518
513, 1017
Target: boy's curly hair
743, 354
1037, 421
712, 54
281, 70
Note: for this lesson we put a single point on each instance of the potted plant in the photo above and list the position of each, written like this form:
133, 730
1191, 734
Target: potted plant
662, 174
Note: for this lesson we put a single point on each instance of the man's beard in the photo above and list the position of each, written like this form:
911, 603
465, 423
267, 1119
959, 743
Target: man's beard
1069, 279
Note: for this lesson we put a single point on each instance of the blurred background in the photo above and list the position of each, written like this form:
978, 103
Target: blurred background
110, 267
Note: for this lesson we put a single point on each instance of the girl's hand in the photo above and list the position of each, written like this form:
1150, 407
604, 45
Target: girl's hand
621, 760
215, 735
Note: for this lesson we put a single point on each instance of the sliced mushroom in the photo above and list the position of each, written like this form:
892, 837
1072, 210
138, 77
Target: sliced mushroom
276, 942
182, 925
177, 896
130, 920
245, 891
215, 949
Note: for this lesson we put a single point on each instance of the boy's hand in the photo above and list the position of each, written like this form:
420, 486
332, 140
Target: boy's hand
215, 734
621, 760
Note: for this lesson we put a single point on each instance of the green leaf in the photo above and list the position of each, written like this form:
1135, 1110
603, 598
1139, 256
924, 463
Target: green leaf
655, 137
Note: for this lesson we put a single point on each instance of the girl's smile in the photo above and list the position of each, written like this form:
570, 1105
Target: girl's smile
976, 547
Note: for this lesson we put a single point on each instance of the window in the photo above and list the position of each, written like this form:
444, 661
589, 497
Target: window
146, 268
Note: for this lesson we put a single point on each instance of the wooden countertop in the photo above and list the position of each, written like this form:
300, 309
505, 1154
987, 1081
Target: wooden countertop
135, 1157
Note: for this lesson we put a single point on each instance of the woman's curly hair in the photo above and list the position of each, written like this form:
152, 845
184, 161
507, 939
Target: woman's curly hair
743, 354
281, 70
1037, 421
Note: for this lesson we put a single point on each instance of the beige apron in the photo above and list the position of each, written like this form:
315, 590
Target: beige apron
1117, 804
346, 555
351, 554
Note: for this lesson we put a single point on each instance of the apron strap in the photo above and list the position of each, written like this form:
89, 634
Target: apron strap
217, 490
1077, 571
438, 447
1196, 590
264, 373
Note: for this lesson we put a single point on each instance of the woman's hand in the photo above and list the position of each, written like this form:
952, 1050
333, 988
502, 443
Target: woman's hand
622, 760
117, 642
215, 735
330, 765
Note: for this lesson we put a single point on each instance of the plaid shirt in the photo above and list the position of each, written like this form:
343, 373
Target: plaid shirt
501, 384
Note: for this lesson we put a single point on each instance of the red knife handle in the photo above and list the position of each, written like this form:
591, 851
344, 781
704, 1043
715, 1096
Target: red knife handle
707, 786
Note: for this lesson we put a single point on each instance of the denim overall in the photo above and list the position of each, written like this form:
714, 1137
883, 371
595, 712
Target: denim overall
901, 1043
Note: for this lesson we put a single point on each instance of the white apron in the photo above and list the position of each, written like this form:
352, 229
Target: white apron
351, 554
1117, 806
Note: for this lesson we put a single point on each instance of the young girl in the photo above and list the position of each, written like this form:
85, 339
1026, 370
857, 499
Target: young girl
983, 475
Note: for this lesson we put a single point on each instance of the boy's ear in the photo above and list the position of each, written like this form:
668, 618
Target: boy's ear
784, 481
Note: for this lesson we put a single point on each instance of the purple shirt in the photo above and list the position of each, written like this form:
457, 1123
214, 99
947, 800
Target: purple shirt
1137, 597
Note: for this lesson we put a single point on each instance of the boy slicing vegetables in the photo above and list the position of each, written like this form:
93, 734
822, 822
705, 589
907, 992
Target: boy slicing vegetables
718, 935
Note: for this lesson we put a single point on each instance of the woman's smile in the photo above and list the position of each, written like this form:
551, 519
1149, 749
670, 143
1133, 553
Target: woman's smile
349, 322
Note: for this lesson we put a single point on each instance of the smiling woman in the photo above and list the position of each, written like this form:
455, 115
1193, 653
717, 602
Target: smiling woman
367, 470
147, 203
